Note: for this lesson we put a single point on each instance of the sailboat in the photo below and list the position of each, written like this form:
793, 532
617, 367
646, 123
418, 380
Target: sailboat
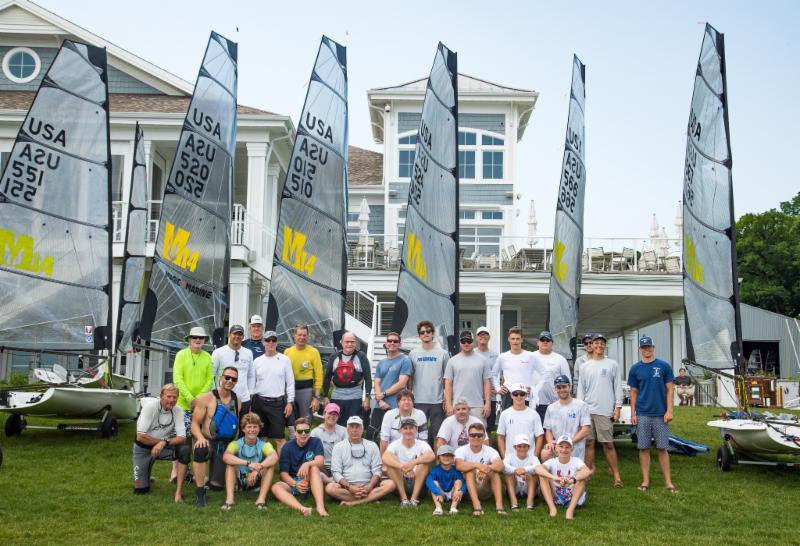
427, 286
309, 268
565, 276
710, 280
56, 242
189, 279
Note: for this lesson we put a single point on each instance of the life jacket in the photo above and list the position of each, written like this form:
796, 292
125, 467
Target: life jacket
225, 423
347, 373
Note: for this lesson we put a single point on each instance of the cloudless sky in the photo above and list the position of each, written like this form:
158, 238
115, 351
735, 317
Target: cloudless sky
640, 62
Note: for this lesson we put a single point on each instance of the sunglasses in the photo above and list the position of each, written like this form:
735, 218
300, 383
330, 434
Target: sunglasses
303, 431
466, 341
518, 393
196, 337
423, 332
271, 340
546, 340
230, 378
236, 358
392, 341
476, 435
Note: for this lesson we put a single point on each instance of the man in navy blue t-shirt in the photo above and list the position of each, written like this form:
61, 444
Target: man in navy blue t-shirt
300, 463
255, 342
651, 383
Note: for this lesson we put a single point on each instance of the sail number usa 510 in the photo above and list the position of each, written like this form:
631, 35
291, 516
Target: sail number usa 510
309, 156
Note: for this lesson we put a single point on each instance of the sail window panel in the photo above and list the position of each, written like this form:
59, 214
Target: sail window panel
323, 117
55, 183
406, 163
706, 190
329, 67
408, 139
423, 305
707, 258
710, 65
440, 81
711, 323
71, 71
210, 114
466, 138
311, 167
431, 251
117, 169
132, 291
707, 123
137, 237
492, 165
466, 164
488, 140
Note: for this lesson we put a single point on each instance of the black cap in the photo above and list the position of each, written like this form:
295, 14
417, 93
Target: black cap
466, 334
545, 335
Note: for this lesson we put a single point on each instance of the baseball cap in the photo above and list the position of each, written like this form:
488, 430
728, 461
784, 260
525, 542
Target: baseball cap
270, 333
518, 387
520, 439
646, 341
546, 336
595, 337
562, 380
465, 334
236, 329
355, 420
587, 336
256, 319
482, 330
564, 438
444, 450
332, 408
408, 422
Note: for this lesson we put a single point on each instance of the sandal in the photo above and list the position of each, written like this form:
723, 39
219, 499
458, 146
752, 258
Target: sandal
515, 507
502, 512
438, 512
529, 507
672, 489
453, 510
261, 505
618, 484
644, 487
477, 512
227, 506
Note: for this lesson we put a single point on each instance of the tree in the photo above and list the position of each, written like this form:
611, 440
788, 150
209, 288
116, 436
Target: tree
768, 249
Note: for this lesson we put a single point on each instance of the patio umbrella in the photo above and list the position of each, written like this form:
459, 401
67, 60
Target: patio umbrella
363, 222
532, 225
654, 234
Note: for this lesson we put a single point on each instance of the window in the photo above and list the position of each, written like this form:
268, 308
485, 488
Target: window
483, 240
352, 217
402, 213
491, 215
492, 165
410, 139
117, 166
21, 65
488, 140
466, 215
467, 139
406, 163
466, 164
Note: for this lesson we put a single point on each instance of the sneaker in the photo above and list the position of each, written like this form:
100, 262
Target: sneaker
414, 502
453, 511
200, 501
438, 512
405, 503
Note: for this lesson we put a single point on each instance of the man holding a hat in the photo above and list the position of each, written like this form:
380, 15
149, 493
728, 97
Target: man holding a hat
273, 390
356, 468
255, 341
241, 358
553, 365
468, 376
652, 382
407, 461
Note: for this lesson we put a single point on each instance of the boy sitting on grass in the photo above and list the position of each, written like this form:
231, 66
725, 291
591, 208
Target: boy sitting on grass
250, 463
520, 465
445, 482
563, 479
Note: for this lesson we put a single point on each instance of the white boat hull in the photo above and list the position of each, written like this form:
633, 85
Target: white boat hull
71, 402
774, 440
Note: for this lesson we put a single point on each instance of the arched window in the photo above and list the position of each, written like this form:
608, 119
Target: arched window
21, 64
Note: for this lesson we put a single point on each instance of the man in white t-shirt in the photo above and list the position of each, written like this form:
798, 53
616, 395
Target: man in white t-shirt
520, 465
563, 479
552, 365
241, 358
519, 419
481, 466
408, 462
453, 431
567, 416
390, 425
516, 366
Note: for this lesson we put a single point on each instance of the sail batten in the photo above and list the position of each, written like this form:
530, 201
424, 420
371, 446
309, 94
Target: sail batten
427, 286
189, 280
309, 274
710, 284
566, 272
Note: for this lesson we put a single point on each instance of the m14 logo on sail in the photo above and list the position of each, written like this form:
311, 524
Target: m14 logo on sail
294, 252
693, 266
17, 251
309, 156
175, 249
197, 156
415, 262
420, 164
25, 172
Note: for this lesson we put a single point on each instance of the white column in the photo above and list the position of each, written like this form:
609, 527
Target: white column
271, 210
148, 146
677, 332
239, 291
256, 182
116, 285
494, 320
155, 377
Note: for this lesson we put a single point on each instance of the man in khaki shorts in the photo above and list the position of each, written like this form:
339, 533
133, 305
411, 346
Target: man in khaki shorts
600, 387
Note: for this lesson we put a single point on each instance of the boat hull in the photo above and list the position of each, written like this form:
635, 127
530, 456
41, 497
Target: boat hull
772, 441
71, 402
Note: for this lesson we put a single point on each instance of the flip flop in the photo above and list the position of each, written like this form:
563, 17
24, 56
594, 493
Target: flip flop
643, 488
477, 512
227, 506
672, 489
618, 484
261, 505
502, 512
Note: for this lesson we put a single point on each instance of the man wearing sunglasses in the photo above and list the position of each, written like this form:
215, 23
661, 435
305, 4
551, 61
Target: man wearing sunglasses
273, 390
241, 358
519, 419
553, 365
468, 376
356, 468
429, 362
300, 463
391, 377
212, 410
482, 468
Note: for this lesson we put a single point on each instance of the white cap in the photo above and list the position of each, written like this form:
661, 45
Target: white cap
482, 330
256, 319
520, 439
564, 438
355, 420
518, 387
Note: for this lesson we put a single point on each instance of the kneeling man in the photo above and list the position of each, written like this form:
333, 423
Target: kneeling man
407, 461
251, 463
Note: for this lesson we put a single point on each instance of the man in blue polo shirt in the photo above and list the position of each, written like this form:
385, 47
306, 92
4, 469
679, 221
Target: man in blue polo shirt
651, 383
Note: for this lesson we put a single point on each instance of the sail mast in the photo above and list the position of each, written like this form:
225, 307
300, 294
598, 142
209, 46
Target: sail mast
566, 273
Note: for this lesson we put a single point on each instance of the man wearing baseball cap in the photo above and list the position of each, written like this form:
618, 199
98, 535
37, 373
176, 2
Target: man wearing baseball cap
468, 376
519, 419
408, 462
652, 382
241, 358
553, 365
273, 390
563, 479
254, 342
600, 386
330, 433
482, 336
566, 417
356, 468
586, 340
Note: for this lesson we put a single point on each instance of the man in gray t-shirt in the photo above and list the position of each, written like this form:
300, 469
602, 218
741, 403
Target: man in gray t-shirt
428, 365
468, 376
482, 336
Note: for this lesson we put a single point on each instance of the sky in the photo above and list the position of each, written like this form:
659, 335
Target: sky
640, 62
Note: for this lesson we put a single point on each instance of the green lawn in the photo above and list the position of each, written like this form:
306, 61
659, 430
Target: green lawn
76, 488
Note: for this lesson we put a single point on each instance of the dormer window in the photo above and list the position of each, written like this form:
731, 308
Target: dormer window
21, 65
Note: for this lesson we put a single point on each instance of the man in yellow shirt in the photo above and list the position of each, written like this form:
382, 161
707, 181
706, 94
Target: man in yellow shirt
307, 368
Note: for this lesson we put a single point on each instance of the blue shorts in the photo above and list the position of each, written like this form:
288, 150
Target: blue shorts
652, 430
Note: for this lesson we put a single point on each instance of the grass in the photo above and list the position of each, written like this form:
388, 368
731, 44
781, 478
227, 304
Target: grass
75, 488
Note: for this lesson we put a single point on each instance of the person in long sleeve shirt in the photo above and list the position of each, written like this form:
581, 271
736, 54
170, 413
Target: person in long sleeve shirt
350, 372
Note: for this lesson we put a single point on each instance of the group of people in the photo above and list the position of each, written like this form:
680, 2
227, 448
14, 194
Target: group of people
435, 414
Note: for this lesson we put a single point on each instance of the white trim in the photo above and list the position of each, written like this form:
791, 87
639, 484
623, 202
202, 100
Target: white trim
36, 61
